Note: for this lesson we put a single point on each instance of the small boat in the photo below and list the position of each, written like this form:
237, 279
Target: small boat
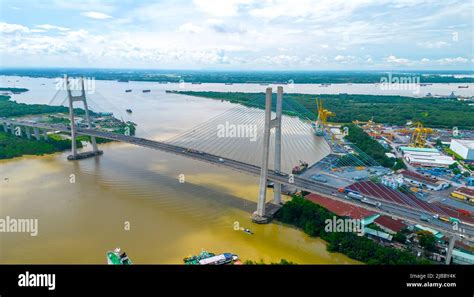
116, 257
128, 110
206, 258
248, 231
146, 91
228, 84
123, 80
195, 83
128, 91
194, 260
225, 258
463, 87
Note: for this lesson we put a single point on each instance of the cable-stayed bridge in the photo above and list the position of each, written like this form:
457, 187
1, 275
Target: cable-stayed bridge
270, 131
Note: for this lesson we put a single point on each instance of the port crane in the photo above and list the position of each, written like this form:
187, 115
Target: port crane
323, 115
419, 135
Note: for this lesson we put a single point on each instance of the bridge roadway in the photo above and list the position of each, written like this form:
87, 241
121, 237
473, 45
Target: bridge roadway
391, 209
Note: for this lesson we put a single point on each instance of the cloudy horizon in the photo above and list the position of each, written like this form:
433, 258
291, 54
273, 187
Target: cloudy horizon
238, 34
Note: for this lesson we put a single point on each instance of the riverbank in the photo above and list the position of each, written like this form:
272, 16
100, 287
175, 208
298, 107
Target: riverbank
12, 146
311, 218
392, 110
229, 77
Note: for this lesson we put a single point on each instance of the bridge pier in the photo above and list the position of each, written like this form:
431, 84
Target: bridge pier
12, 129
45, 135
37, 135
72, 99
27, 132
449, 252
264, 212
5, 127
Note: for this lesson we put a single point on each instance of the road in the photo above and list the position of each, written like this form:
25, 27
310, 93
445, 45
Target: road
395, 210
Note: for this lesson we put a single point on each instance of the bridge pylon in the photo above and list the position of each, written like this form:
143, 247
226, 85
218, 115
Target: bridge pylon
260, 216
71, 99
449, 252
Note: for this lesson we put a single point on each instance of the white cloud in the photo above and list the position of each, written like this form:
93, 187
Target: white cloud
448, 61
398, 61
52, 27
189, 28
13, 28
96, 15
344, 59
433, 44
223, 8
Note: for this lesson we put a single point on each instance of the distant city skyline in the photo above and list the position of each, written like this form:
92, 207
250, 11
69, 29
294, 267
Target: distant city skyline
238, 34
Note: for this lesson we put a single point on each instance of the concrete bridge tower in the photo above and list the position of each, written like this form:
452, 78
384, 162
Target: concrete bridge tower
71, 100
260, 215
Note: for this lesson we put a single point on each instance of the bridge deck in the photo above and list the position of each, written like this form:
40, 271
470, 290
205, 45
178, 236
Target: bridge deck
391, 208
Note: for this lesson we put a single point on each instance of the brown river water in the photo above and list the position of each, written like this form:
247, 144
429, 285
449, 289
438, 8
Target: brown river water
136, 187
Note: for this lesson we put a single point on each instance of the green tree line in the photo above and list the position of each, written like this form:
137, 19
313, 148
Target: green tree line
393, 110
12, 146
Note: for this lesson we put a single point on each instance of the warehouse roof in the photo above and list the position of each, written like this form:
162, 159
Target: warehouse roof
418, 149
390, 223
340, 208
469, 143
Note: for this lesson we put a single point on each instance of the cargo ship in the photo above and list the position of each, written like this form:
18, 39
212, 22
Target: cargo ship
206, 258
146, 91
463, 87
128, 110
116, 257
128, 91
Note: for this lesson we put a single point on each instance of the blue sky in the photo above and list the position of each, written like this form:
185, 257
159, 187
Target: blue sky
239, 34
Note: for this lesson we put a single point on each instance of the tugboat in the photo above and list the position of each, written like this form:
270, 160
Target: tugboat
116, 257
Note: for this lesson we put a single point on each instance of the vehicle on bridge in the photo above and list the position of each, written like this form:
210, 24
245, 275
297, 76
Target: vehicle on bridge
371, 202
355, 196
298, 169
424, 218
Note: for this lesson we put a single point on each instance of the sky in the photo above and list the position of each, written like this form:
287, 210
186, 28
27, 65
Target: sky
239, 34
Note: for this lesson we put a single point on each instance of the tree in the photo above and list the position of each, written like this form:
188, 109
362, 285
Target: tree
427, 240
400, 237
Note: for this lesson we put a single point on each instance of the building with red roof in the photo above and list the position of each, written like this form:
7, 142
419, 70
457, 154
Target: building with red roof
390, 225
340, 208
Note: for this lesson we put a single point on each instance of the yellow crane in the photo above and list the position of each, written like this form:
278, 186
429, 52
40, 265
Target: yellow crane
323, 115
419, 135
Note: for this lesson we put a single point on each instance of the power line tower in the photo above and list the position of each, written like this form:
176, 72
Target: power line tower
260, 216
73, 127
